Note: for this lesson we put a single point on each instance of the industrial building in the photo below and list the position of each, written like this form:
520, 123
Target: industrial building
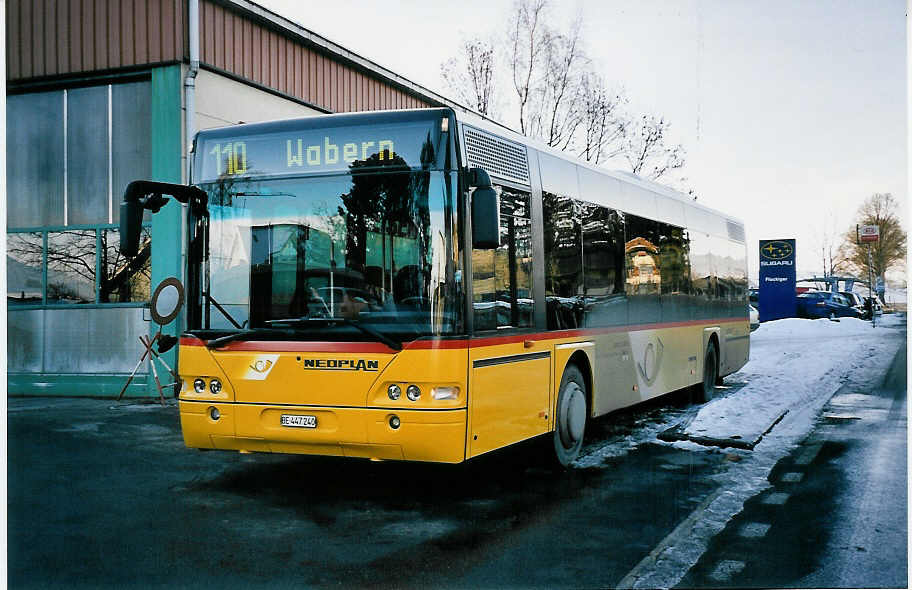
103, 92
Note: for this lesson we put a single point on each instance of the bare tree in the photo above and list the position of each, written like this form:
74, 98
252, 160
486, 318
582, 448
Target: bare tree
558, 104
529, 36
559, 97
832, 257
471, 75
602, 126
645, 149
547, 69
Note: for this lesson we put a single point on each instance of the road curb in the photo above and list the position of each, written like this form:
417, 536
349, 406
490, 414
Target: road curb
678, 433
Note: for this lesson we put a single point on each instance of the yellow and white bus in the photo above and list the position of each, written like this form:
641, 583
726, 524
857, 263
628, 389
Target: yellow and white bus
426, 286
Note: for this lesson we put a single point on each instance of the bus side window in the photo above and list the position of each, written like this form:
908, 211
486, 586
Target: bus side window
502, 277
644, 277
603, 266
674, 268
563, 261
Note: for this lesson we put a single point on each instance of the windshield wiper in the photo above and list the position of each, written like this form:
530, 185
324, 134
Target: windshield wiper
243, 335
381, 337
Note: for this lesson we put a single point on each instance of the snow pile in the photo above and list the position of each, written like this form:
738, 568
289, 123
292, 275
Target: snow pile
793, 363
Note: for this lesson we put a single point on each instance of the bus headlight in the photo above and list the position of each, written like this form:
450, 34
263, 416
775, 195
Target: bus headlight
445, 392
199, 385
215, 386
394, 392
413, 392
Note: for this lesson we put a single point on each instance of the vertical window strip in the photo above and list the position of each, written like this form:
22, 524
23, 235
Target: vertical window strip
577, 214
44, 267
98, 267
110, 160
65, 175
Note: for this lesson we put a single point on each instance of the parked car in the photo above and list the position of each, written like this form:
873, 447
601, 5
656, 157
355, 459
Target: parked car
823, 304
856, 301
754, 317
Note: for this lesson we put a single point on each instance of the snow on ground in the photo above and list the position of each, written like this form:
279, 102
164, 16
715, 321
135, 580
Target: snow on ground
795, 365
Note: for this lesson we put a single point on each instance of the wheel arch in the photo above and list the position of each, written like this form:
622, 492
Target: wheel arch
569, 419
711, 336
580, 355
581, 360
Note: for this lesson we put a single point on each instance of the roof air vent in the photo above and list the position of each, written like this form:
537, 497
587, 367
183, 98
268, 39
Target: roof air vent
498, 156
735, 231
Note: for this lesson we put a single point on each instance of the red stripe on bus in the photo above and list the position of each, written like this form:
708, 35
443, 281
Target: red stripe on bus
292, 346
586, 332
448, 344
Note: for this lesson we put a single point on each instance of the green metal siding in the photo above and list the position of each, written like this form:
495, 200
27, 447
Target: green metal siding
79, 385
167, 127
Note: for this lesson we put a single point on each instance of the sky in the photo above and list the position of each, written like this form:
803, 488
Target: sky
792, 113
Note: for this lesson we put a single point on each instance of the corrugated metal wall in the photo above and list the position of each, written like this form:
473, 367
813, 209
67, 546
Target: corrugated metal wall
231, 42
57, 37
61, 37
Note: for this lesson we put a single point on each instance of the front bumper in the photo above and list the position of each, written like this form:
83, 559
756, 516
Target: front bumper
423, 435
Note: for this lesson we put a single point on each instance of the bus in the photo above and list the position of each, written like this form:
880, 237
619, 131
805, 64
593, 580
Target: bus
423, 285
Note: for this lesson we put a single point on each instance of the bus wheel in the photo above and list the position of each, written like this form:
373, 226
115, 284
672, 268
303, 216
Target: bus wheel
570, 416
706, 389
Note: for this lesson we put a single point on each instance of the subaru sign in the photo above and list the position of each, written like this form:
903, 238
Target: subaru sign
777, 280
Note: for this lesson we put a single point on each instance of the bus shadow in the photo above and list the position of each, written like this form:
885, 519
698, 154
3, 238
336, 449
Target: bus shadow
510, 479
329, 482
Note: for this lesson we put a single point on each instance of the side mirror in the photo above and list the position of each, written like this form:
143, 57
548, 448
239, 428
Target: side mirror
485, 218
146, 194
485, 211
131, 213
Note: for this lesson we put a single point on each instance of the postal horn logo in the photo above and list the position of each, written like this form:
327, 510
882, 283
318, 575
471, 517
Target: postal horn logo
776, 250
652, 361
261, 365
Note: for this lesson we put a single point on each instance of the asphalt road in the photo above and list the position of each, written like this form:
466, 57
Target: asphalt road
104, 494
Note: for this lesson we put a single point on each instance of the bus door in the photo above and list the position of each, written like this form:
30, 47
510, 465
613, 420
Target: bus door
509, 391
509, 394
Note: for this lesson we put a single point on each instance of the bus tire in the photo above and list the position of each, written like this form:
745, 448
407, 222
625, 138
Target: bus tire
706, 388
570, 417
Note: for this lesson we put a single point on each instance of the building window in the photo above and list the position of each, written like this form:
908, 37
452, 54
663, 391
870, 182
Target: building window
124, 280
68, 260
75, 152
34, 159
25, 268
71, 266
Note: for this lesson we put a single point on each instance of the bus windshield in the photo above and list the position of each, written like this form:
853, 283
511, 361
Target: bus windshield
376, 248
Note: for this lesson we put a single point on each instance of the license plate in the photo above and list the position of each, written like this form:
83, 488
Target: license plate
299, 421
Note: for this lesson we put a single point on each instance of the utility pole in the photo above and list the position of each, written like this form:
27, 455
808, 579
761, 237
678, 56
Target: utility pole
871, 286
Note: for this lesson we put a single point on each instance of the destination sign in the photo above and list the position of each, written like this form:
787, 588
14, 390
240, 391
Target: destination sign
302, 150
